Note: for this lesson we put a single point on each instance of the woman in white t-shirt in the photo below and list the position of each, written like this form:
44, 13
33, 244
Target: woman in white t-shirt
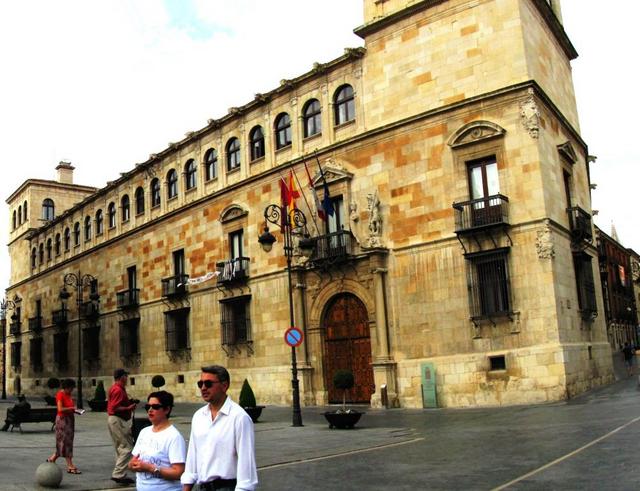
160, 451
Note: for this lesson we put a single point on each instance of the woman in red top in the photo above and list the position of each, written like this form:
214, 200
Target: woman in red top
65, 426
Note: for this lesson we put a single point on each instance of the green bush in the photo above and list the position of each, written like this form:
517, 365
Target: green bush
343, 380
157, 381
100, 394
247, 398
53, 383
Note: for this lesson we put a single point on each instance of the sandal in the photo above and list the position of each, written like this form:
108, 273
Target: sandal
51, 461
73, 470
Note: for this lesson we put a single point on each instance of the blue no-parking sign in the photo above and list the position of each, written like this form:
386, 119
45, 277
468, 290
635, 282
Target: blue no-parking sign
293, 337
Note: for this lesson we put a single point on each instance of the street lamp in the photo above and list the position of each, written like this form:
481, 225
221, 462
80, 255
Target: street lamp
79, 282
4, 306
294, 219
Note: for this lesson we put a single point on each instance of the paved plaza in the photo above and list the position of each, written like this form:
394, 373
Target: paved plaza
590, 442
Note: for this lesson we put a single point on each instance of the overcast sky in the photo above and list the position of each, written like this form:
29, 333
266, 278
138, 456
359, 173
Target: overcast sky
106, 83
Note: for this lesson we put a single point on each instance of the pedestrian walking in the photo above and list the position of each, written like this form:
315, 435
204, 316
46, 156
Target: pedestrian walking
628, 352
221, 453
160, 451
119, 410
65, 426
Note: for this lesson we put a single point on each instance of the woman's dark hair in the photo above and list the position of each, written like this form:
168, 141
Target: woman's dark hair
219, 371
68, 383
165, 398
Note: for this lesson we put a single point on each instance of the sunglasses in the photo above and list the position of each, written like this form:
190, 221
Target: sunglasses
207, 383
155, 407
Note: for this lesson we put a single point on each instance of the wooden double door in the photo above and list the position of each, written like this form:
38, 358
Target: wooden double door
347, 345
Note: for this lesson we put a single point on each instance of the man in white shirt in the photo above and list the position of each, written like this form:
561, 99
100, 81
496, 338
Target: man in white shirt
221, 454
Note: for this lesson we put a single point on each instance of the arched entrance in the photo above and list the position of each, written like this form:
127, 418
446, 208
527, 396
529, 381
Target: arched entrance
347, 345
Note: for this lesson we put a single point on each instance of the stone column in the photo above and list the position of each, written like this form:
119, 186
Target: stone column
305, 370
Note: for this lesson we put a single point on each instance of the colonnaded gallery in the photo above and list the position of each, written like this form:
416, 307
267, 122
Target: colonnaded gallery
457, 267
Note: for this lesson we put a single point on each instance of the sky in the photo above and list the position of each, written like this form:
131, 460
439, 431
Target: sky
105, 83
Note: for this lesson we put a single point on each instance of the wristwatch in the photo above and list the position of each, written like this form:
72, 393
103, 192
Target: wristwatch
156, 472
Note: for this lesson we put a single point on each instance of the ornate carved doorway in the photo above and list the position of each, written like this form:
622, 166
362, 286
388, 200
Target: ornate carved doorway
347, 345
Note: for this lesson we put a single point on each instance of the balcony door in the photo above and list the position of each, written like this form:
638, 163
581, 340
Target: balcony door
483, 187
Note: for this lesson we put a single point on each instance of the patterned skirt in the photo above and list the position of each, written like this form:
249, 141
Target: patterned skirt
65, 429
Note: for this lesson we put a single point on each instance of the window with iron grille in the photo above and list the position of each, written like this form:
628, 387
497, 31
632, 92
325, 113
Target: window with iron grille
235, 320
176, 328
585, 285
61, 349
488, 284
35, 353
129, 340
16, 354
91, 343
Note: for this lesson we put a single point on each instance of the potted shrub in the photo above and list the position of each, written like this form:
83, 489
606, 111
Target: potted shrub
343, 418
248, 402
99, 401
53, 383
157, 381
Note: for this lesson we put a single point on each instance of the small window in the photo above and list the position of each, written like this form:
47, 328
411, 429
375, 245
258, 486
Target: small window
41, 253
344, 105
19, 215
180, 378
172, 184
14, 219
312, 115
256, 138
125, 208
190, 174
34, 256
67, 239
48, 209
99, 222
111, 211
283, 131
235, 244
76, 234
87, 228
233, 154
49, 249
497, 363
211, 164
155, 192
139, 201
57, 245
24, 212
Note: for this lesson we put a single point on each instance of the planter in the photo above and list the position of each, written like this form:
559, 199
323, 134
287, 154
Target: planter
97, 406
342, 420
254, 412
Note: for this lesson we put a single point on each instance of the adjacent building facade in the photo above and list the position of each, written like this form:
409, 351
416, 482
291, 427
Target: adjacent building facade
460, 254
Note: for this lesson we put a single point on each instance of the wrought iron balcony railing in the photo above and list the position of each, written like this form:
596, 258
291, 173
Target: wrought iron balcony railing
35, 323
233, 270
59, 317
128, 299
333, 247
481, 213
175, 285
15, 327
580, 224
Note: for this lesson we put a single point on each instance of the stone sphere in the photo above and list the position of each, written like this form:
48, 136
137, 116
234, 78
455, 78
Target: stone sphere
48, 475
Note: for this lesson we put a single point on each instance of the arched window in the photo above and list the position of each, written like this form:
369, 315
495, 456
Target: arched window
190, 174
14, 219
34, 254
155, 192
87, 228
99, 222
211, 164
76, 234
125, 208
256, 140
19, 214
49, 247
343, 105
111, 211
57, 245
48, 209
139, 201
233, 154
172, 184
41, 253
67, 239
24, 211
283, 130
312, 114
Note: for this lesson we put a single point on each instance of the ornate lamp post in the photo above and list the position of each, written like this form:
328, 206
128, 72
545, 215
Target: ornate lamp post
294, 219
79, 282
4, 306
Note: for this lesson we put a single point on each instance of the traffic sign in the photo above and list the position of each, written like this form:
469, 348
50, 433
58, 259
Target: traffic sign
293, 337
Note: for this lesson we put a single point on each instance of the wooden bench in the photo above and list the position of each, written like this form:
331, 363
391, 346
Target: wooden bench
36, 415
